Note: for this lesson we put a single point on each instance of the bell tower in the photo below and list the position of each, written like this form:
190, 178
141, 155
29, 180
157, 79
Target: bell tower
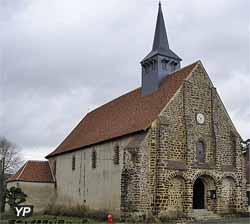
161, 61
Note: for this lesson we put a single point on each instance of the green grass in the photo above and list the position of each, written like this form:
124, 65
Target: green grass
52, 218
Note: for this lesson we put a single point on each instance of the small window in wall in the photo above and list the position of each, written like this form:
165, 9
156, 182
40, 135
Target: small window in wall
234, 155
248, 197
153, 65
73, 162
116, 155
173, 65
200, 151
146, 67
164, 64
54, 168
133, 156
94, 159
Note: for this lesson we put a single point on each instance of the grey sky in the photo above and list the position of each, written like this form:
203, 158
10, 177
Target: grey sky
61, 58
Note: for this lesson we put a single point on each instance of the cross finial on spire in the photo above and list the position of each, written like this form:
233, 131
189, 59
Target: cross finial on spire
161, 60
160, 38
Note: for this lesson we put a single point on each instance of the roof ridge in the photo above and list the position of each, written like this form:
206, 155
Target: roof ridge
178, 70
37, 161
138, 88
126, 114
34, 171
23, 168
52, 173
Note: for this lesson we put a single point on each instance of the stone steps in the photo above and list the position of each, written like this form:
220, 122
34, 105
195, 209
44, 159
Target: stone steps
203, 214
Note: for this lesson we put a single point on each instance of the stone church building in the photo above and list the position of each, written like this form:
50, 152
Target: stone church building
168, 148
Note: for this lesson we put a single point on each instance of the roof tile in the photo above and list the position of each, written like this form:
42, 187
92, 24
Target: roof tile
34, 171
124, 115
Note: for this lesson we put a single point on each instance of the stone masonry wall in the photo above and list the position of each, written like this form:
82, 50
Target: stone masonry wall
174, 166
156, 176
136, 195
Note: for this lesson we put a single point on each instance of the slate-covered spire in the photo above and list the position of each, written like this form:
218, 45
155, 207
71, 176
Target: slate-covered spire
161, 60
160, 38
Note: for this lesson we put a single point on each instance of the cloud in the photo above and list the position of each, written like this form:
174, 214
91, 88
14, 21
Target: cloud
60, 59
236, 95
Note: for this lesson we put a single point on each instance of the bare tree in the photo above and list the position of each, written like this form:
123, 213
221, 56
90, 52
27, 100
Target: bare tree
245, 145
11, 155
10, 161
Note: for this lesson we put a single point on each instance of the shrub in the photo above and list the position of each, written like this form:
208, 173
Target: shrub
15, 196
80, 211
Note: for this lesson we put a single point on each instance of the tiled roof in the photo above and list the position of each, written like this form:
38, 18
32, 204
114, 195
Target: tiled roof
34, 171
124, 115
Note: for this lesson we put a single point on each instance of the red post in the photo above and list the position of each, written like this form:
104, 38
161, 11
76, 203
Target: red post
110, 219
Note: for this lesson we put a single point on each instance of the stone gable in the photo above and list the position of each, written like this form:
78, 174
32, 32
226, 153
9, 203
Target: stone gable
174, 168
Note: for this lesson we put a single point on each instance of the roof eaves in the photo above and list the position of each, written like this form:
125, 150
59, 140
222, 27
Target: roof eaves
55, 153
31, 181
168, 53
89, 145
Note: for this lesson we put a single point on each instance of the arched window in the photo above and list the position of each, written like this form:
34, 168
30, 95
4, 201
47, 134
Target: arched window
173, 65
116, 155
200, 151
94, 159
164, 64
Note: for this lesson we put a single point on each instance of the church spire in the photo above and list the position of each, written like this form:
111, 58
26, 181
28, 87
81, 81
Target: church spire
161, 60
160, 38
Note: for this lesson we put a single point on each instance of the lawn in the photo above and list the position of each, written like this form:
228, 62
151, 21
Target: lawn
42, 219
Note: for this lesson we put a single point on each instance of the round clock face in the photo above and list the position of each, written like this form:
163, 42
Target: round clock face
200, 118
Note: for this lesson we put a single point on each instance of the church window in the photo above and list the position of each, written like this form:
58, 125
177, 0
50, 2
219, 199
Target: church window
164, 64
133, 156
73, 162
200, 151
116, 155
94, 159
153, 65
248, 198
234, 145
173, 65
54, 170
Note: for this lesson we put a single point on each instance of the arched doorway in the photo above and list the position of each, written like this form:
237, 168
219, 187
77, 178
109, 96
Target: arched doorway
199, 194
